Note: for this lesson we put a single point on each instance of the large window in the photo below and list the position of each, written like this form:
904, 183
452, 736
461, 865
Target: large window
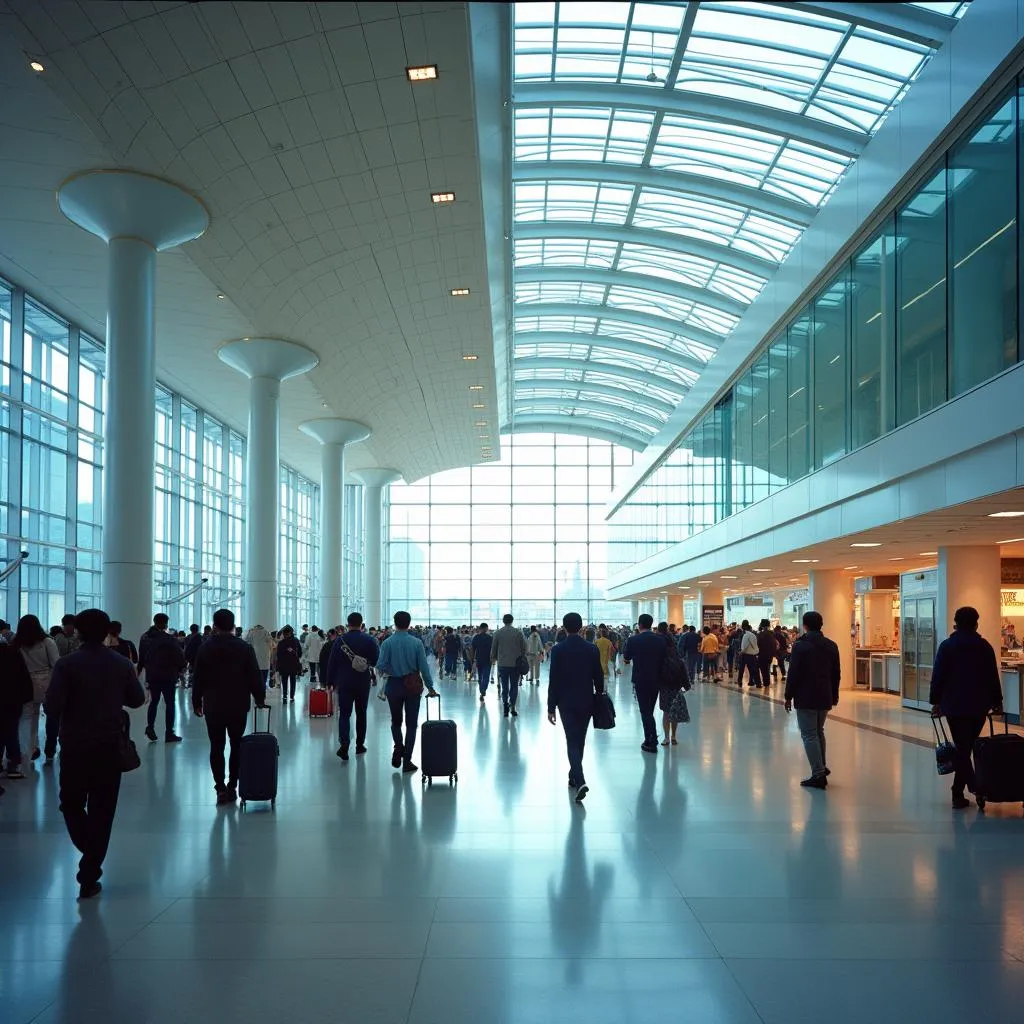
526, 535
299, 550
830, 317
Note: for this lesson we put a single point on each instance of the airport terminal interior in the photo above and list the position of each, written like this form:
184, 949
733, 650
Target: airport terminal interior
692, 312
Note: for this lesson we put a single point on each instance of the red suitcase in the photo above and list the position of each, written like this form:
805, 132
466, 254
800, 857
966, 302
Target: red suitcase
321, 703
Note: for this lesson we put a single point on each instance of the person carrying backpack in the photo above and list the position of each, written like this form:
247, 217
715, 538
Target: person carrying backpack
353, 655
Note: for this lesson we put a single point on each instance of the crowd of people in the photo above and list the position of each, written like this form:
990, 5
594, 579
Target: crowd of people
77, 679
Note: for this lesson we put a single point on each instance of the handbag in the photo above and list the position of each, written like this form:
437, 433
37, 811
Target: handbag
413, 683
604, 711
945, 749
127, 753
522, 665
40, 684
678, 710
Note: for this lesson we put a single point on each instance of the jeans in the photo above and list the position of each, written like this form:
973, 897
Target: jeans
451, 662
90, 781
509, 678
749, 662
219, 729
690, 660
647, 700
349, 697
10, 742
812, 732
157, 688
410, 707
288, 684
964, 730
575, 724
483, 675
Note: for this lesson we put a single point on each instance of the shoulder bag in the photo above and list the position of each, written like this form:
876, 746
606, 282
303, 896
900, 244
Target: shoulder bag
127, 753
413, 683
358, 662
604, 711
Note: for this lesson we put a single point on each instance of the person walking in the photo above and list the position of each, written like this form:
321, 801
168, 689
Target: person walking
509, 646
15, 692
748, 657
645, 651
193, 642
403, 660
574, 676
672, 684
67, 638
709, 650
225, 676
688, 647
40, 654
259, 639
767, 648
482, 644
535, 653
353, 656
813, 687
452, 650
965, 687
311, 649
289, 663
162, 659
118, 643
88, 691
782, 653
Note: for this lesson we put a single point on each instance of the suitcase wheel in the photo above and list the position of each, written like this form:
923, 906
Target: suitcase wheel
243, 805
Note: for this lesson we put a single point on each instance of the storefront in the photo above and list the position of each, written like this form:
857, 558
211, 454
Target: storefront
876, 629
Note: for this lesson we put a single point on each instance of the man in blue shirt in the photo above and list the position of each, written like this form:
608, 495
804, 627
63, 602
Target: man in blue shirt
645, 651
482, 644
402, 655
352, 686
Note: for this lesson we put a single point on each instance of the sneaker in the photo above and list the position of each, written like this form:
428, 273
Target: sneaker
232, 793
224, 796
87, 892
342, 751
815, 782
506, 711
649, 749
396, 758
36, 754
515, 714
481, 698
408, 768
959, 802
15, 773
581, 793
172, 738
150, 735
360, 749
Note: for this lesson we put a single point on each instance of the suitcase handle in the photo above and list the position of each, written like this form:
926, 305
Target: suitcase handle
255, 720
426, 706
991, 724
937, 724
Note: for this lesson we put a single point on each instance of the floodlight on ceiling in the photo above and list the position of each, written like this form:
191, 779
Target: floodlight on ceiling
422, 73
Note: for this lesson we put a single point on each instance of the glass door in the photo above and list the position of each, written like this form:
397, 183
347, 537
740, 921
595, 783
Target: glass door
925, 648
909, 651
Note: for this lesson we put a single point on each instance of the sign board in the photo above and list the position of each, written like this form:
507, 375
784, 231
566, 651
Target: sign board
712, 615
1012, 572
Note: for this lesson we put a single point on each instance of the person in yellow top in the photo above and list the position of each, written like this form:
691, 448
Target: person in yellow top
605, 647
709, 653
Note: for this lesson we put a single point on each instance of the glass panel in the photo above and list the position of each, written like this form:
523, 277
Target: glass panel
778, 414
798, 345
831, 311
759, 382
983, 251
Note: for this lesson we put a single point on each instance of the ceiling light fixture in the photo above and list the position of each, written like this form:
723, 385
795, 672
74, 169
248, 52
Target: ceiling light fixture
470, 359
867, 544
479, 405
36, 66
936, 552
760, 570
897, 558
476, 387
480, 423
423, 73
1012, 540
1005, 515
442, 197
221, 295
458, 293
804, 561
728, 577
702, 582
846, 567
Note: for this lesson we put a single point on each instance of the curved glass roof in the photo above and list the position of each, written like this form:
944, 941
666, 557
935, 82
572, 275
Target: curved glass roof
667, 158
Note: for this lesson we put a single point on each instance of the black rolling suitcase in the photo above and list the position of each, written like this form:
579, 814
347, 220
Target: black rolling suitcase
257, 764
999, 766
439, 747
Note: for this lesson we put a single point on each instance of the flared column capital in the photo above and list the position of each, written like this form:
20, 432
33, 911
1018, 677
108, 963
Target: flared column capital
268, 357
377, 477
125, 204
335, 431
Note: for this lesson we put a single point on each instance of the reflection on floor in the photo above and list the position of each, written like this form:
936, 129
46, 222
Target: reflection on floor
701, 885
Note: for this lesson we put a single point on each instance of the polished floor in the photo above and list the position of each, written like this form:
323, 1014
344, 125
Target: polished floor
700, 885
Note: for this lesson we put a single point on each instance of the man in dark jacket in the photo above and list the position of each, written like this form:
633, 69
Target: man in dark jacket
88, 690
192, 644
351, 685
645, 651
813, 686
162, 659
688, 646
965, 687
574, 675
767, 648
226, 675
15, 693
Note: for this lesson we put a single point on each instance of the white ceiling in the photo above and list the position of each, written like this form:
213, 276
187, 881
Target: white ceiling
295, 125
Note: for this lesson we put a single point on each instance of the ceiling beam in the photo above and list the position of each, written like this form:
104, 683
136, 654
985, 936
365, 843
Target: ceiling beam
635, 373
697, 185
672, 242
629, 279
684, 103
580, 426
916, 24
609, 408
626, 345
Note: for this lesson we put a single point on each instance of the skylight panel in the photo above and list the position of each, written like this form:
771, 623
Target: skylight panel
558, 291
564, 252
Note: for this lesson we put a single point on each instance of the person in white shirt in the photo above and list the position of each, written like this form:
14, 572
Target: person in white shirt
748, 657
311, 651
259, 640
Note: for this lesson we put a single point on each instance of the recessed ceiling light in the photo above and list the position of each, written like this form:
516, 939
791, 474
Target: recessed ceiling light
804, 561
898, 558
936, 552
479, 405
1012, 540
845, 567
476, 387
728, 577
442, 197
480, 423
760, 570
484, 437
1005, 515
424, 73
866, 544
221, 295
470, 359
705, 581
682, 588
794, 579
36, 65
459, 292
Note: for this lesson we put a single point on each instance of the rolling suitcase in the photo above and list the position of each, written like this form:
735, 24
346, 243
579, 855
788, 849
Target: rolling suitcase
439, 747
999, 766
257, 764
321, 703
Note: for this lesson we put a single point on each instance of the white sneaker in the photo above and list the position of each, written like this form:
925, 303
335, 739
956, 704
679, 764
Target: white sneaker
581, 793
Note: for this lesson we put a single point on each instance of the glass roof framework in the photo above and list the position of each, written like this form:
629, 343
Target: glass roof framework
667, 159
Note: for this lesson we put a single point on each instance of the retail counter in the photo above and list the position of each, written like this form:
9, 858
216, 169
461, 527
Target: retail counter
1011, 680
878, 670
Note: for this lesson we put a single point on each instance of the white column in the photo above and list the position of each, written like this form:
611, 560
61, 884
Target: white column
137, 216
374, 481
706, 596
969, 576
675, 609
831, 595
778, 601
634, 612
266, 362
334, 435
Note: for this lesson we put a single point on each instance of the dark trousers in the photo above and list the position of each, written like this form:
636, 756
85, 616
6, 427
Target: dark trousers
509, 681
451, 663
964, 730
313, 665
764, 665
483, 675
690, 660
157, 688
575, 723
10, 741
350, 697
89, 783
749, 662
410, 708
288, 684
220, 728
647, 700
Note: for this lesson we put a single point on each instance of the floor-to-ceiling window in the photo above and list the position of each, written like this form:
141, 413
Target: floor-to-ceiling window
525, 535
299, 551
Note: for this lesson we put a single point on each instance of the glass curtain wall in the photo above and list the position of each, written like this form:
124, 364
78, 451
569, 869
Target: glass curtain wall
926, 310
525, 535
298, 551
51, 428
353, 548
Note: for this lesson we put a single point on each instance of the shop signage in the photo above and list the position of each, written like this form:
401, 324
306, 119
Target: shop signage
713, 615
1012, 602
1012, 572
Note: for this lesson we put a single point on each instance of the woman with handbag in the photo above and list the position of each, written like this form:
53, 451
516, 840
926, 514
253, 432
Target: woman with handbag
674, 680
40, 653
289, 662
